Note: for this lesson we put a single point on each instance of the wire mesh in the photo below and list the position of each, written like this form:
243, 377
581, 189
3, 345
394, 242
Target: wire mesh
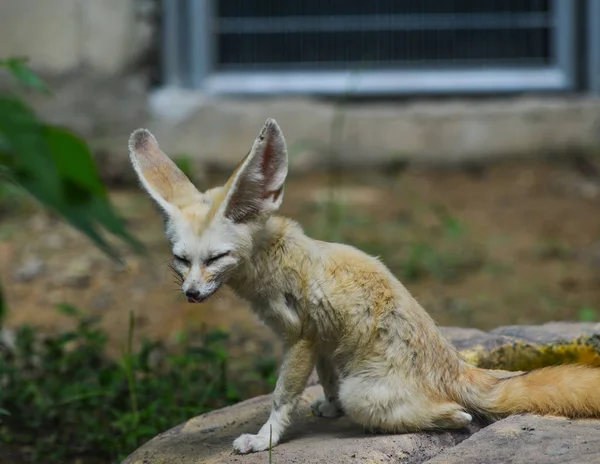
310, 46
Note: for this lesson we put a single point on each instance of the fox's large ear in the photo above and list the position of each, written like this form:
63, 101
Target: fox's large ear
162, 179
256, 186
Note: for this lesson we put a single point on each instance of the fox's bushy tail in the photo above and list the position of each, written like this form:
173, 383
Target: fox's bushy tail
568, 390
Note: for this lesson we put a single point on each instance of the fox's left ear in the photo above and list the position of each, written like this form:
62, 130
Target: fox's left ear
256, 186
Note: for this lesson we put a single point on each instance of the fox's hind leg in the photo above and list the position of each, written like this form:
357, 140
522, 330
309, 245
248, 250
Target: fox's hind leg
328, 405
384, 405
451, 416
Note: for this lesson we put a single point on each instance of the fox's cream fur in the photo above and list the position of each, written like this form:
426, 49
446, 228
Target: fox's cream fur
380, 357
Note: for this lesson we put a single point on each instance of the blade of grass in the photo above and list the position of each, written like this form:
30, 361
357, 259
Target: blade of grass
82, 396
128, 367
2, 306
270, 443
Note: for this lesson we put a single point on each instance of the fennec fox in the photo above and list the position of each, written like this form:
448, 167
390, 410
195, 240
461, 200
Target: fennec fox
380, 357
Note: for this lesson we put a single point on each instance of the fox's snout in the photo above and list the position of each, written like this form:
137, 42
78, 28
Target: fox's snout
196, 293
193, 296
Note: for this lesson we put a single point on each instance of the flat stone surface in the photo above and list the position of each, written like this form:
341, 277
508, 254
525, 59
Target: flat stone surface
552, 332
527, 439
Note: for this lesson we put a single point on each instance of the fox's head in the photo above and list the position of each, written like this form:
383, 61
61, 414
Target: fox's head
212, 232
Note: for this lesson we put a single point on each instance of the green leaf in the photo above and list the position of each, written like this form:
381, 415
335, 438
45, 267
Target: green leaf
57, 168
27, 153
216, 336
145, 430
103, 211
80, 220
74, 160
68, 310
24, 75
83, 186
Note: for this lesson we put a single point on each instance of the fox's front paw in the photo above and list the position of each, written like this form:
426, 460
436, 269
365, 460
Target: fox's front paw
323, 408
248, 443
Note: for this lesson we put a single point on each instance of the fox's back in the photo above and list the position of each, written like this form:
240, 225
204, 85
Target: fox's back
379, 313
333, 294
340, 289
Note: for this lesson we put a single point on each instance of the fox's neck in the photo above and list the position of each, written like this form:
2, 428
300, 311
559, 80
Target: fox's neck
278, 264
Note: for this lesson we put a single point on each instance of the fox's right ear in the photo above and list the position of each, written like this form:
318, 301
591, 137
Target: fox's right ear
162, 179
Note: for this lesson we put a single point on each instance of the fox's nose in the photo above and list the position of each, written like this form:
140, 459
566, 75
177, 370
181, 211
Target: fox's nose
193, 294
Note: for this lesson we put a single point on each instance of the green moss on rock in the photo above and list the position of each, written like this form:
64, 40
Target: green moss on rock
525, 356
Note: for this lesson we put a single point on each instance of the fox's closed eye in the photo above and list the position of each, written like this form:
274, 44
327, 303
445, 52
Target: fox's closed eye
182, 260
213, 259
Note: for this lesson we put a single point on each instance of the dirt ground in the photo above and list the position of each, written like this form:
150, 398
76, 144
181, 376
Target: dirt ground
513, 243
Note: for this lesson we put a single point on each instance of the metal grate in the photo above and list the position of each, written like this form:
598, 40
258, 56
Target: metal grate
379, 46
593, 45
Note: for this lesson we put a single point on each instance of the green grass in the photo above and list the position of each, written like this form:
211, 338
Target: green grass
409, 255
61, 398
587, 314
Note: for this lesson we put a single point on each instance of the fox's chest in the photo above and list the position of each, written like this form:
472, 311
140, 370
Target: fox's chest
291, 316
290, 306
279, 314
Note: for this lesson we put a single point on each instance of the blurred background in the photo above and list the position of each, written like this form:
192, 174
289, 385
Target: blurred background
458, 140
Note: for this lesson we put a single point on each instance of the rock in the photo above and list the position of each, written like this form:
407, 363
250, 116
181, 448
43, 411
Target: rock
551, 332
532, 347
208, 438
528, 439
31, 268
473, 338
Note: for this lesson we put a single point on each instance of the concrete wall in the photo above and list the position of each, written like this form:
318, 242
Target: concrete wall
219, 132
61, 36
